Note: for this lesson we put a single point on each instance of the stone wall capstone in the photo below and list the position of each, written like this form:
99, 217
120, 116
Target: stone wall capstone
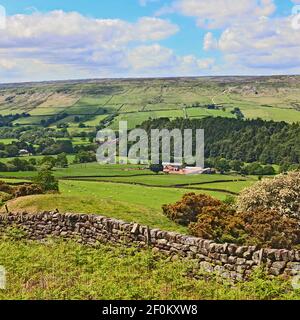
230, 260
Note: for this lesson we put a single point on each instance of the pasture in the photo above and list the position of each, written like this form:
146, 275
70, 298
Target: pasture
122, 201
130, 193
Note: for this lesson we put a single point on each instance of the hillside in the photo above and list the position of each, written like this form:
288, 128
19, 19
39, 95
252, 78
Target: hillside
136, 100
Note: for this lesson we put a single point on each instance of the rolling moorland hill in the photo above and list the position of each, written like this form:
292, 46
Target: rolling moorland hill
136, 100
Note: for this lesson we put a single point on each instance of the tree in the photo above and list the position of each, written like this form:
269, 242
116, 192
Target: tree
47, 162
236, 165
265, 228
32, 161
12, 150
85, 157
269, 170
59, 146
156, 168
254, 169
21, 165
47, 181
267, 142
222, 165
62, 160
3, 167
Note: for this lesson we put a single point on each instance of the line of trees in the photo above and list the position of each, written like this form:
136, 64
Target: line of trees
249, 141
223, 165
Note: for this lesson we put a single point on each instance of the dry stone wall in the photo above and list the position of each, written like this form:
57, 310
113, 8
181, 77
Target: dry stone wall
230, 260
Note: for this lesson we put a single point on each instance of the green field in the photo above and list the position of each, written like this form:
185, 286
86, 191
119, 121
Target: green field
64, 270
127, 192
131, 193
7, 141
174, 180
137, 118
127, 202
235, 187
203, 112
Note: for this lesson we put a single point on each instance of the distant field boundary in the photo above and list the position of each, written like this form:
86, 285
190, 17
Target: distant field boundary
228, 260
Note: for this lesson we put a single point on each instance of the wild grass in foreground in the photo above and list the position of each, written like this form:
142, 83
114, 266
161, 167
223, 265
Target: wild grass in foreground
67, 270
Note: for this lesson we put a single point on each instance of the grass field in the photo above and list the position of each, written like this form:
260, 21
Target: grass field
203, 112
127, 202
126, 173
174, 180
236, 186
69, 271
7, 141
95, 120
137, 118
269, 113
12, 180
129, 192
94, 169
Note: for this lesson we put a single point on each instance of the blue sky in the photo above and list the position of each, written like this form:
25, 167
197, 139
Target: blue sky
45, 40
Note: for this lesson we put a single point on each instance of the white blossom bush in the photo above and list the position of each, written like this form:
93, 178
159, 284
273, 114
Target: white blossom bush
281, 194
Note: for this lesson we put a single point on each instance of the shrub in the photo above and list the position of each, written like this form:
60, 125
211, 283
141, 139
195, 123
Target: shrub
281, 193
220, 224
156, 168
263, 228
271, 229
4, 187
46, 181
186, 211
5, 196
27, 189
212, 219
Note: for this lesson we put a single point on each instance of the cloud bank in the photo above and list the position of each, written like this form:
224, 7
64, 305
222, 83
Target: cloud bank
241, 37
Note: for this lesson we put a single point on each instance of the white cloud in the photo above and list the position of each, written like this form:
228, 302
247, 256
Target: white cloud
270, 44
162, 61
221, 13
72, 40
57, 26
251, 41
151, 57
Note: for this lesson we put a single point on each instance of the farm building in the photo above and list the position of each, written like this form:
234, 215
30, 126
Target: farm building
24, 153
178, 168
